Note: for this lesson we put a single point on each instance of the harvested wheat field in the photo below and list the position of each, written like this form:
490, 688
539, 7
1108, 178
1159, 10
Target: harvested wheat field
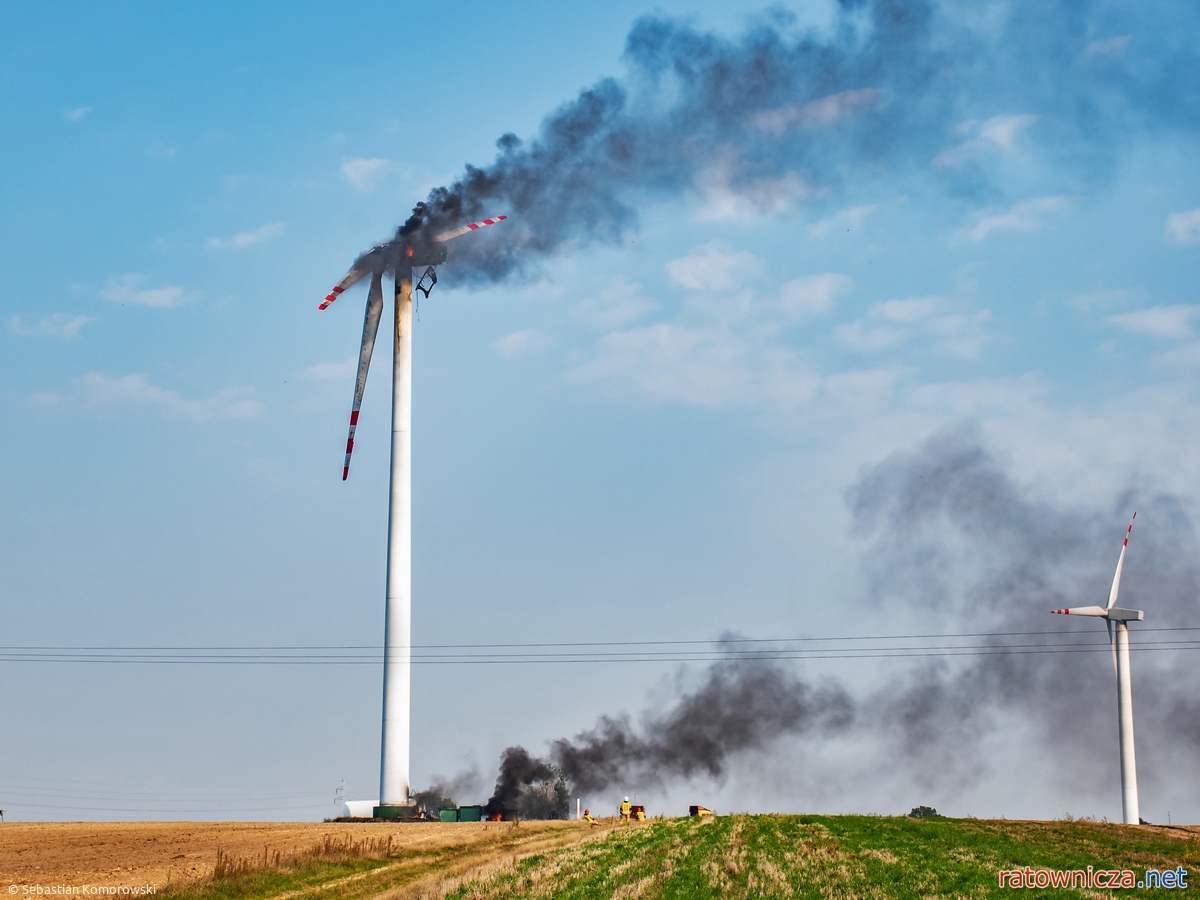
739, 857
170, 856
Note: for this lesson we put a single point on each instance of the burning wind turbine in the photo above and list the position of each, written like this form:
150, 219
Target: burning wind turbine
1114, 615
399, 256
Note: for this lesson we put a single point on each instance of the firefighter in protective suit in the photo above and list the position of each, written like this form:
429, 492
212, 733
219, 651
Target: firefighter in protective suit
589, 818
625, 807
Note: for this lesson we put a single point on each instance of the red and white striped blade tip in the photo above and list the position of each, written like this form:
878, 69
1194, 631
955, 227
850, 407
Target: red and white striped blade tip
1129, 531
474, 226
1061, 612
345, 473
330, 297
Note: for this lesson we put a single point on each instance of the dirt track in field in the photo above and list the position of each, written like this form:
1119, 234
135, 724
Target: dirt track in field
161, 853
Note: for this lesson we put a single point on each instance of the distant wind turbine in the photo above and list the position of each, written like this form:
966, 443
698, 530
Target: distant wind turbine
1114, 615
399, 256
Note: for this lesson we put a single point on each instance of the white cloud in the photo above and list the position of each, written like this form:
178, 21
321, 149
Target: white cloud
849, 219
997, 133
1158, 321
99, 390
1003, 130
1113, 46
74, 115
820, 113
518, 343
866, 337
128, 289
248, 238
59, 325
331, 371
159, 150
1024, 216
361, 173
1100, 299
812, 295
730, 193
701, 366
618, 303
911, 310
1184, 227
714, 267
891, 323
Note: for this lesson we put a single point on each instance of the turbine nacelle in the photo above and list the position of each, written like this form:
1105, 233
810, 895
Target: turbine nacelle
405, 251
399, 256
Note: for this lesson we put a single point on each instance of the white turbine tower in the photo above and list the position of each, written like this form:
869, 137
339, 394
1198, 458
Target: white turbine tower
1118, 641
399, 256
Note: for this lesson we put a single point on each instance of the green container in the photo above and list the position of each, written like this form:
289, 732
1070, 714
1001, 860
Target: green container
470, 814
407, 812
448, 815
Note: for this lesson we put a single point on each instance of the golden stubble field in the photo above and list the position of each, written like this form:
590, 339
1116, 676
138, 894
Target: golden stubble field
74, 854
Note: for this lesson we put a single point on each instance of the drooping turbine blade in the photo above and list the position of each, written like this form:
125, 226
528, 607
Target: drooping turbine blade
1112, 596
370, 328
361, 269
474, 226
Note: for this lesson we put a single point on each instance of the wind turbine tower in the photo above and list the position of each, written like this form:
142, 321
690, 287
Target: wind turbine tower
1116, 619
399, 256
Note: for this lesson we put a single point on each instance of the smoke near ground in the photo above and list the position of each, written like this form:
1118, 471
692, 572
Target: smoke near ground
787, 115
740, 705
953, 543
446, 792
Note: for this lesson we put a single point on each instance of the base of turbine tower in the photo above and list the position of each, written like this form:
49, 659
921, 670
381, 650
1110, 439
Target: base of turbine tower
404, 812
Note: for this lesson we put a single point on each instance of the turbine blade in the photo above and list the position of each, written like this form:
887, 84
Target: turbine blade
1098, 611
361, 269
474, 226
370, 329
1112, 643
1116, 585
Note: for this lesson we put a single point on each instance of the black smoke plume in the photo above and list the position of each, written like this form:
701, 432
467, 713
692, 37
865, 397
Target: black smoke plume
787, 114
518, 771
741, 705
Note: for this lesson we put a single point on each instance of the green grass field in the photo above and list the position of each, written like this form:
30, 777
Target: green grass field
767, 856
835, 856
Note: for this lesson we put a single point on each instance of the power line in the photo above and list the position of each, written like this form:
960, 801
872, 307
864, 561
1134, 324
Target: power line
734, 649
705, 642
552, 659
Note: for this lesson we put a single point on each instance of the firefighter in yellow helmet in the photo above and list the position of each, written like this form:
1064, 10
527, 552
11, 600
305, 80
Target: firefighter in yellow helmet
625, 807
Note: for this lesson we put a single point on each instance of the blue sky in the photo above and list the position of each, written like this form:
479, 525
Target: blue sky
646, 439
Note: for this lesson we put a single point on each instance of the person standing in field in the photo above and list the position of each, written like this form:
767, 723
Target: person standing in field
625, 807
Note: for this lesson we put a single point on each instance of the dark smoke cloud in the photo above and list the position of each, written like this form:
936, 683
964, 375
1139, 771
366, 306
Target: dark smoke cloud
879, 94
954, 542
951, 532
518, 770
741, 705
